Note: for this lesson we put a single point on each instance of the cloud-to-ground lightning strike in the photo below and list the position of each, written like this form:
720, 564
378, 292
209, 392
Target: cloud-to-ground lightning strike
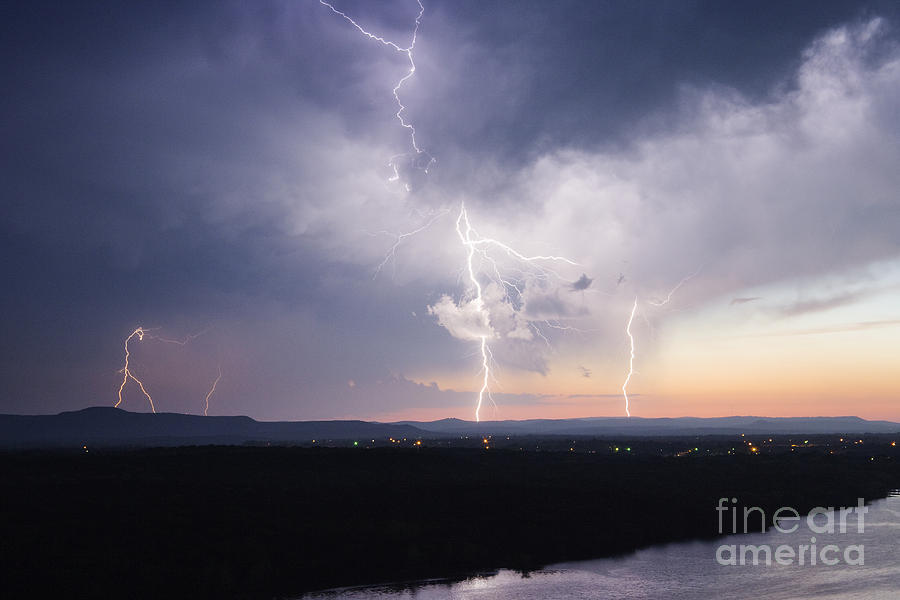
421, 159
631, 357
475, 244
141, 333
656, 303
212, 391
470, 239
467, 241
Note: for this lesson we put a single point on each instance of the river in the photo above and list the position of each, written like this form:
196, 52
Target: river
690, 570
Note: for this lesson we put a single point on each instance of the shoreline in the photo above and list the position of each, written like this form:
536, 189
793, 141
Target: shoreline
250, 522
413, 584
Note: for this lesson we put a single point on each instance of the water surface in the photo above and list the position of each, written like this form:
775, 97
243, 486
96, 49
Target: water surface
690, 571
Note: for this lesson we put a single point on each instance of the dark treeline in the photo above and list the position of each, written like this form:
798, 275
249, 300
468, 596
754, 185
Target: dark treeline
262, 522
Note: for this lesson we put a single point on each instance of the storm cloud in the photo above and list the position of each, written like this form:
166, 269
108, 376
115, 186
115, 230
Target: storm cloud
225, 166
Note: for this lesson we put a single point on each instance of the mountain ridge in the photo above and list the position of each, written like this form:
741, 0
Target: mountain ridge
113, 426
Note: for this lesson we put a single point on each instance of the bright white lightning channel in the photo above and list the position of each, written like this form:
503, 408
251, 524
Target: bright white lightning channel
631, 357
421, 159
656, 303
475, 244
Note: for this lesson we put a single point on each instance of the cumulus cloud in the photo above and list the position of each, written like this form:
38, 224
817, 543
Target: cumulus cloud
798, 185
757, 192
465, 321
542, 304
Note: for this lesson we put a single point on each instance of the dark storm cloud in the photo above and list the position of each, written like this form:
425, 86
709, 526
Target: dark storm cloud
138, 158
169, 164
540, 306
527, 79
582, 283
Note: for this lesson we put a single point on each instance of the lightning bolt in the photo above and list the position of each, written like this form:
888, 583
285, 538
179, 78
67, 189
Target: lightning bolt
139, 332
474, 244
657, 303
212, 390
469, 244
127, 373
477, 245
668, 297
486, 358
421, 160
631, 359
402, 236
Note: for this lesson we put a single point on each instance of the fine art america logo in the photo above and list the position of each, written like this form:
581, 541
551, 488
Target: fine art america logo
819, 521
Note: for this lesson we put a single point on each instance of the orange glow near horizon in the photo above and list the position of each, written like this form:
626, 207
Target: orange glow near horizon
672, 406
707, 373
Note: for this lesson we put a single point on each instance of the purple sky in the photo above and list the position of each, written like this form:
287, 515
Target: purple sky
222, 168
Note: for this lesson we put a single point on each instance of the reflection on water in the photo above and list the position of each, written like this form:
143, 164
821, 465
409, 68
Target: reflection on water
690, 571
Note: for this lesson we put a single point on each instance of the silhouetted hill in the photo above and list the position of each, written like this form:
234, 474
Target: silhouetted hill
637, 426
112, 426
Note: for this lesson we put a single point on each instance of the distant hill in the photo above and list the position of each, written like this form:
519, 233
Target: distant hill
115, 427
637, 426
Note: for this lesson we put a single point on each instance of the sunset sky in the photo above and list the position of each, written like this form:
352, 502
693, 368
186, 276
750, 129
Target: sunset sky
220, 170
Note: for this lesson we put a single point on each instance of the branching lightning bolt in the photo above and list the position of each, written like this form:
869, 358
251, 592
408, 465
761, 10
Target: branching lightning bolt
475, 244
466, 239
668, 297
657, 303
128, 373
421, 159
420, 154
139, 332
398, 239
